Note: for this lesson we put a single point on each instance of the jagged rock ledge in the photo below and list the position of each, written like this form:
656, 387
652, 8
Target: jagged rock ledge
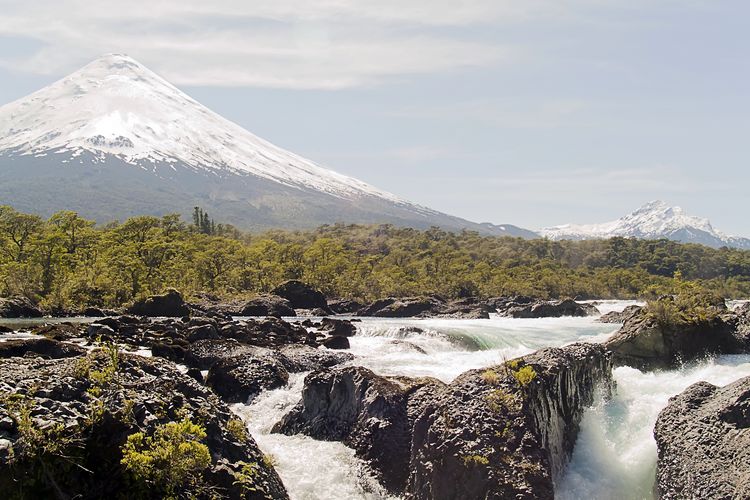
504, 432
645, 341
64, 424
703, 442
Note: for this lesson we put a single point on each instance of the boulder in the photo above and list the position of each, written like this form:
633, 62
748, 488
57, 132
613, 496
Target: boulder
401, 308
508, 431
268, 332
94, 312
468, 308
369, 413
240, 378
547, 309
39, 347
427, 307
336, 342
301, 295
171, 304
89, 430
337, 327
203, 354
619, 316
499, 433
19, 307
344, 306
703, 442
646, 342
59, 331
267, 305
302, 358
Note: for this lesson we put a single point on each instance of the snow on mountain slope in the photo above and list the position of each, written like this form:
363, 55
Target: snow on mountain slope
114, 140
653, 220
115, 106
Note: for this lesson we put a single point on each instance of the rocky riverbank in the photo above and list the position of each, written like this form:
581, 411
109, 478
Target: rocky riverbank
505, 431
703, 438
295, 298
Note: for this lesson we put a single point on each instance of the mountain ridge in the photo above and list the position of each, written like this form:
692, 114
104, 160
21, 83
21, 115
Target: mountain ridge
174, 153
654, 220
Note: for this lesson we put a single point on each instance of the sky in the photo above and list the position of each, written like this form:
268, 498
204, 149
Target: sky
533, 112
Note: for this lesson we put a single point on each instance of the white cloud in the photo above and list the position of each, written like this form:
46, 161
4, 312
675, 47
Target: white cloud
290, 44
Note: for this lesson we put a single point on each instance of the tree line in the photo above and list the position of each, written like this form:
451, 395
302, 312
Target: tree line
68, 261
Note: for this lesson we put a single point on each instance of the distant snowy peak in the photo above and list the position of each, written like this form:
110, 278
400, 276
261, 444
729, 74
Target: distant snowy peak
653, 220
116, 106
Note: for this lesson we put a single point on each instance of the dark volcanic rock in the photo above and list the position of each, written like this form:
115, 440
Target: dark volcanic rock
240, 378
427, 307
546, 309
400, 308
703, 441
344, 306
203, 354
500, 433
91, 427
336, 342
338, 327
506, 432
372, 414
267, 305
302, 358
59, 331
468, 308
619, 316
645, 342
171, 304
301, 295
41, 347
19, 307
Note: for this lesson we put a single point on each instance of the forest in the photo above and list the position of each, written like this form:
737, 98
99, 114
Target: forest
68, 261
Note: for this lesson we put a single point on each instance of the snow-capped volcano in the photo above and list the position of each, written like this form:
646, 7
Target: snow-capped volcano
116, 106
653, 220
114, 139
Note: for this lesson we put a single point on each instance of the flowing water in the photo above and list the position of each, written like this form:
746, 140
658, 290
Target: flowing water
615, 455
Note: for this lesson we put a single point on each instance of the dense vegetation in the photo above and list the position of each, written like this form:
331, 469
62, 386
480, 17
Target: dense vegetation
68, 261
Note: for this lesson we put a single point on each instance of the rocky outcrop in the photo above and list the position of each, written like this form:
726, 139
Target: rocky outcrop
703, 441
344, 306
39, 347
645, 341
508, 431
336, 342
545, 309
59, 331
267, 305
619, 316
338, 327
19, 307
302, 358
240, 378
372, 414
504, 432
301, 295
171, 304
400, 308
80, 421
427, 307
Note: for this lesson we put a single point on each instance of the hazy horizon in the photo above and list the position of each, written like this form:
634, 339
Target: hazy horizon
533, 114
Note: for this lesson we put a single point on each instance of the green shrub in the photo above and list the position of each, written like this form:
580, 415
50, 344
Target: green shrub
475, 460
490, 377
170, 461
525, 375
236, 427
247, 477
499, 400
